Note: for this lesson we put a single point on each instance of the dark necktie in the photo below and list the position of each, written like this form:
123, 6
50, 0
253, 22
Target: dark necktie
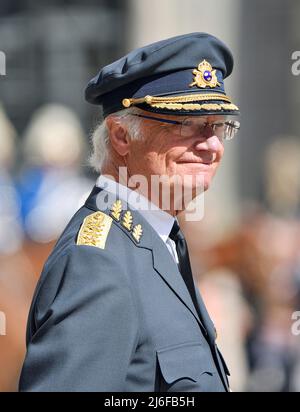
186, 273
184, 262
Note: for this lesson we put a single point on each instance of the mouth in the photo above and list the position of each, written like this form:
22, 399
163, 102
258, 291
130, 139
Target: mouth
206, 159
194, 162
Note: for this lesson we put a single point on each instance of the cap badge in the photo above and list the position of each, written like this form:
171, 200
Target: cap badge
205, 76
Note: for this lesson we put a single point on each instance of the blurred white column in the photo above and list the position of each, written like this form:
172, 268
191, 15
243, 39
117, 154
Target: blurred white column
159, 19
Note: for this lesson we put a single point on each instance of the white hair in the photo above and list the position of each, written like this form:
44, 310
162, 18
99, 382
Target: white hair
100, 136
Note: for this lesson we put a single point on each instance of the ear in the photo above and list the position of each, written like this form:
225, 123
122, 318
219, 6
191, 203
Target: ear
118, 136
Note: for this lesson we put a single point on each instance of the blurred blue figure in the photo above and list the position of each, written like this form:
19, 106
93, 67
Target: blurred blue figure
10, 228
51, 187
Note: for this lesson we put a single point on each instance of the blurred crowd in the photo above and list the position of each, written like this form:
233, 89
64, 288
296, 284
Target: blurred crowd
249, 276
41, 186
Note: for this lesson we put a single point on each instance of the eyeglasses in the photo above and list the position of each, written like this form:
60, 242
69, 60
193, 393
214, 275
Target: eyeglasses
192, 127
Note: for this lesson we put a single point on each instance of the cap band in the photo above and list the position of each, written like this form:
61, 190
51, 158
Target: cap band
176, 99
186, 102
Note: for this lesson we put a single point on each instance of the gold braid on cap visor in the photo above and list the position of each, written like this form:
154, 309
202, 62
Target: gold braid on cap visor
184, 102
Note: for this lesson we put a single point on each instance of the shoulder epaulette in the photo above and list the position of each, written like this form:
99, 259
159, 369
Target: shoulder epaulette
94, 230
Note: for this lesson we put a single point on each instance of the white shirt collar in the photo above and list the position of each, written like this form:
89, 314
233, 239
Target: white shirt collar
161, 221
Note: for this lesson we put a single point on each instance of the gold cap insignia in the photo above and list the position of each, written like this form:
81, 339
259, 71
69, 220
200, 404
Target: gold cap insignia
127, 220
137, 232
205, 76
116, 210
94, 230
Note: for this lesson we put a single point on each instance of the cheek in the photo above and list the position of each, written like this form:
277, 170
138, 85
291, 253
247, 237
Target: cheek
157, 153
172, 151
171, 158
151, 157
219, 156
220, 153
161, 154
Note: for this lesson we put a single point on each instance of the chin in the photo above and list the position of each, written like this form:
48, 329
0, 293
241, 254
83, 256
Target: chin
193, 190
202, 182
203, 188
206, 186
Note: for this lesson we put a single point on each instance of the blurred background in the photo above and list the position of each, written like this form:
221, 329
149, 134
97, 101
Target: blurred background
245, 252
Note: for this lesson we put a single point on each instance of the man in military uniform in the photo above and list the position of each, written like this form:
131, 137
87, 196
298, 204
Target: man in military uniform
116, 308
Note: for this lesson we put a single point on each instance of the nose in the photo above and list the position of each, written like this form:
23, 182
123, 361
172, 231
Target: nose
211, 143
